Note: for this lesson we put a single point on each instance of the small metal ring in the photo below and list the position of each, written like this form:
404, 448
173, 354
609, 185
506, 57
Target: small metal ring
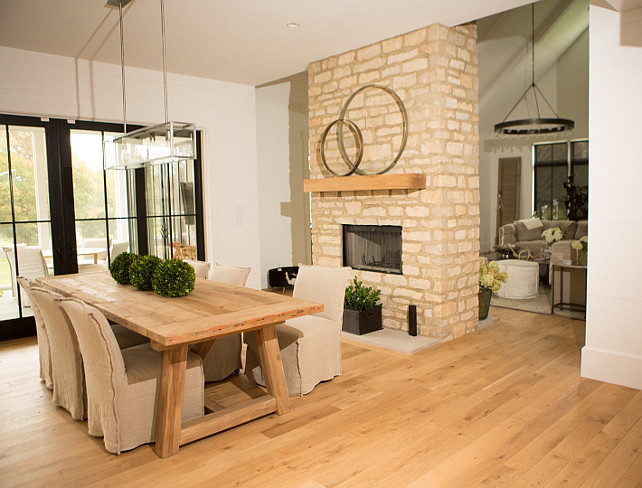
358, 138
404, 115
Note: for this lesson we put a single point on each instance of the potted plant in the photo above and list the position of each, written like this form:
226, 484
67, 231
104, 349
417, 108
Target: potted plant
361, 308
491, 280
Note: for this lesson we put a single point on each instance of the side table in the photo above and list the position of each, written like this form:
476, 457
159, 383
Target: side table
567, 269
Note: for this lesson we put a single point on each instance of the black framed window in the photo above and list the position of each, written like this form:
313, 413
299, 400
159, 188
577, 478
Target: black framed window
554, 163
56, 196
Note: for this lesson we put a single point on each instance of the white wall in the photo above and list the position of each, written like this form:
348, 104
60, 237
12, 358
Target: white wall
282, 127
613, 350
41, 84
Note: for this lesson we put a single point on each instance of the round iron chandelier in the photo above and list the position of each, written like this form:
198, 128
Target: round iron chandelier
539, 124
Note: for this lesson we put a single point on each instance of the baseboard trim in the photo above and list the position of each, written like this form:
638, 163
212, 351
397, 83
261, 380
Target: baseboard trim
612, 367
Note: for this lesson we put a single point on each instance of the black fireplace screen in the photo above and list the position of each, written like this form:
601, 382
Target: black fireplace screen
372, 248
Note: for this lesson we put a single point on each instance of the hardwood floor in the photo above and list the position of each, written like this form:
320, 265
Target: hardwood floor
504, 406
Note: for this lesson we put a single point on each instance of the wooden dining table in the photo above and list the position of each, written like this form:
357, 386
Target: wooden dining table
173, 325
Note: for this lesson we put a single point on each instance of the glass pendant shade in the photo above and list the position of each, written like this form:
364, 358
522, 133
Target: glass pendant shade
163, 143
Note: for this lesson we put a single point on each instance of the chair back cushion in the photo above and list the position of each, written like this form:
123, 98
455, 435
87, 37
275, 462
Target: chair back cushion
232, 275
325, 285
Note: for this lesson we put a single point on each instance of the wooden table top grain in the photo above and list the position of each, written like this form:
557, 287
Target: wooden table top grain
211, 311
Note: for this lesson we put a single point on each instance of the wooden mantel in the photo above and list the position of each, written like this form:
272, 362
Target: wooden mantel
406, 181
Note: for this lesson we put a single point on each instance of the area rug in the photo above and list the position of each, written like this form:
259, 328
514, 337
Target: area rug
540, 304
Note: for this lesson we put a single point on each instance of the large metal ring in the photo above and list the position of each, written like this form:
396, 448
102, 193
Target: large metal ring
404, 115
358, 136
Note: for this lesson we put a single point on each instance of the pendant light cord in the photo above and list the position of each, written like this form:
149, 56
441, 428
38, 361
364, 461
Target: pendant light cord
162, 2
122, 66
533, 58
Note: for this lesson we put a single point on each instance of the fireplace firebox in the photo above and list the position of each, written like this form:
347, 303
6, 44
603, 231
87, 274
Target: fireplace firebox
372, 248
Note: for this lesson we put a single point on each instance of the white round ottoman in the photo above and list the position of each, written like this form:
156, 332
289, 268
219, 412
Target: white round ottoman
523, 279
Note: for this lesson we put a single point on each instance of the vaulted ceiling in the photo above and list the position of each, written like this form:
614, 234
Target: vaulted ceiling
505, 51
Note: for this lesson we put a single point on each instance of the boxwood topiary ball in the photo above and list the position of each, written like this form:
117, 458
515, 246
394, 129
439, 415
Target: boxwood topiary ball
173, 278
141, 271
119, 268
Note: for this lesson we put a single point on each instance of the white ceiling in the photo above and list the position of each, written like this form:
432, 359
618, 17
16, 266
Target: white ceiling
244, 41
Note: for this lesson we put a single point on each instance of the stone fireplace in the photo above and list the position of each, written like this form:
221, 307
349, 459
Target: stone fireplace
434, 72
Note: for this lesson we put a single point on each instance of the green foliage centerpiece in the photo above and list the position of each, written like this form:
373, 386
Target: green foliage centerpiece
173, 278
362, 310
119, 268
141, 271
169, 278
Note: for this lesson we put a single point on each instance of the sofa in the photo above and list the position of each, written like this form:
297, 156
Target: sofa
527, 234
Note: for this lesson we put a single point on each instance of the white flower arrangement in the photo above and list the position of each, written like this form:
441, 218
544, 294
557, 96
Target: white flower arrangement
553, 235
581, 246
489, 275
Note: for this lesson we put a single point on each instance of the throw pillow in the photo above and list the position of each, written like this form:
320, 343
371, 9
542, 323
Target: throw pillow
582, 229
568, 226
529, 229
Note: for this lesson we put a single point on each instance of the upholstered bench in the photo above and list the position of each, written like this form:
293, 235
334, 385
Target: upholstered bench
523, 279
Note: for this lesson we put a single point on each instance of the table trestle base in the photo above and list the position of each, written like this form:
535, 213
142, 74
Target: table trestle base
229, 417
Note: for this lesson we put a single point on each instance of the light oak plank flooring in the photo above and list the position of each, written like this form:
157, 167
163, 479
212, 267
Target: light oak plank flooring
502, 407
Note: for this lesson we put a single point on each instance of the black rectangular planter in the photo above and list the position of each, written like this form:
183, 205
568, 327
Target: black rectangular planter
362, 322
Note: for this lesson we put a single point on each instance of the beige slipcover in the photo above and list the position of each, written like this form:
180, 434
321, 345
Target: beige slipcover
201, 268
232, 275
122, 386
67, 371
62, 350
44, 349
224, 358
31, 264
311, 345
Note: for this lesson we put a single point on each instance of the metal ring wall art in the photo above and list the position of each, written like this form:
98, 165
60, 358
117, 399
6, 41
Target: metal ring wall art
353, 167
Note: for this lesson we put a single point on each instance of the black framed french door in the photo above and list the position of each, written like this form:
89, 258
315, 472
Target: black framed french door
56, 197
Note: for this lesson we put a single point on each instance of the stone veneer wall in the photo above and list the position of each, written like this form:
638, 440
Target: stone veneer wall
434, 71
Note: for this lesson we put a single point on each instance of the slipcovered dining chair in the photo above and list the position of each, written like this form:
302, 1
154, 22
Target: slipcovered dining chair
67, 370
31, 264
310, 345
117, 248
67, 378
224, 358
42, 336
201, 268
232, 275
122, 386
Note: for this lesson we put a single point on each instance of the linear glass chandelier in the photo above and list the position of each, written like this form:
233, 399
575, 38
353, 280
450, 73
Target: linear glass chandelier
539, 124
158, 144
